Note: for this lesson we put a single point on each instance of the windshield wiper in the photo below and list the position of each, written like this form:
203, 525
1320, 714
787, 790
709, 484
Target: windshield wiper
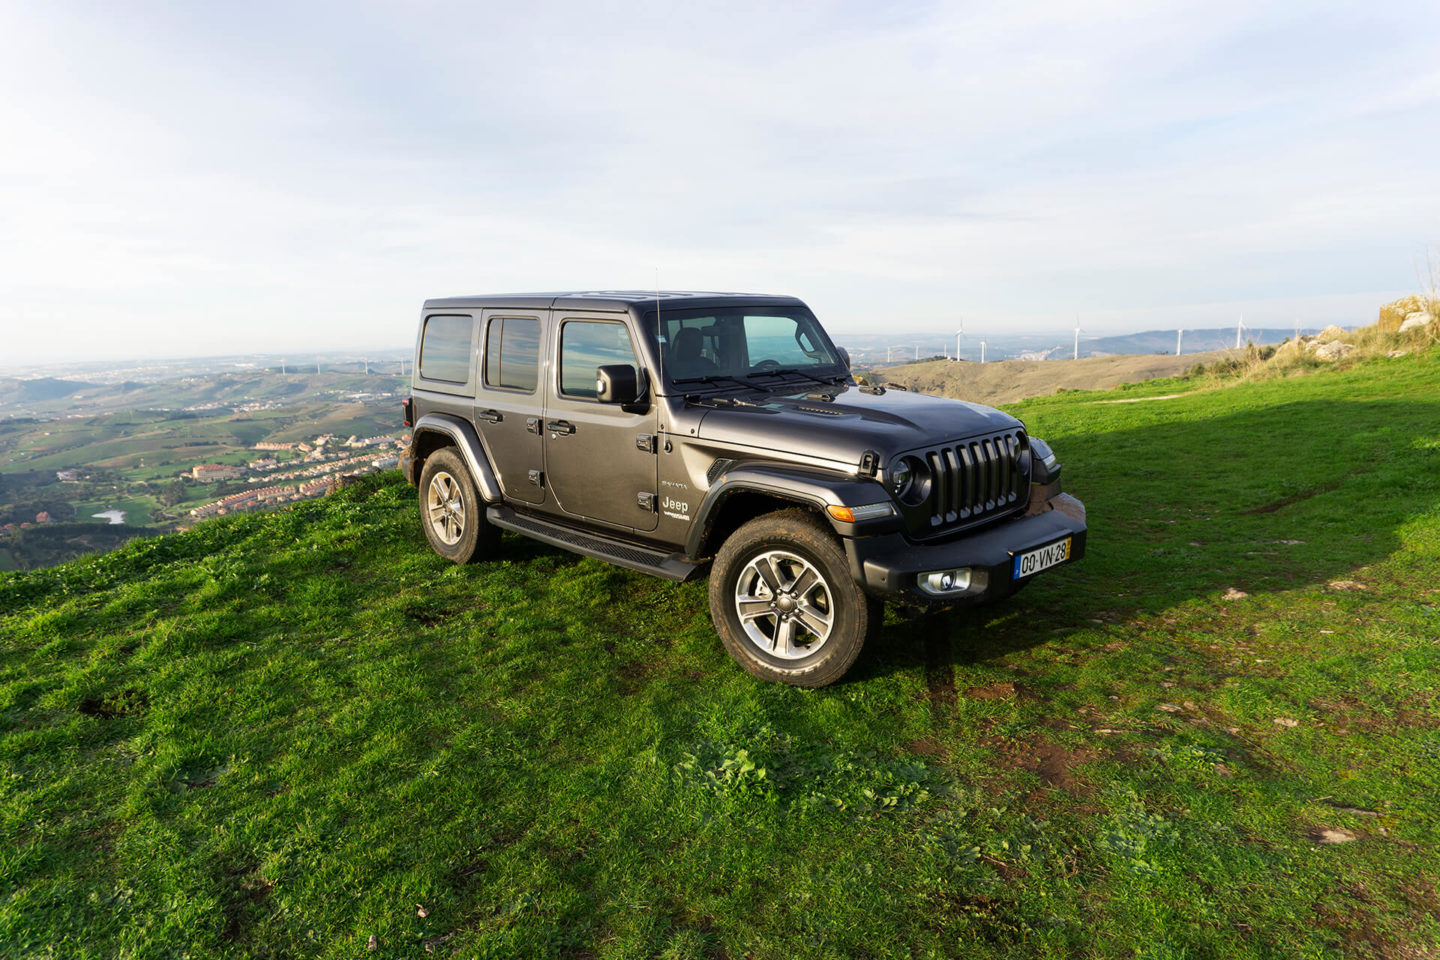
792, 372
716, 378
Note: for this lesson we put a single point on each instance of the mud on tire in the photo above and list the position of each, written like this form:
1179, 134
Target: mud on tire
451, 511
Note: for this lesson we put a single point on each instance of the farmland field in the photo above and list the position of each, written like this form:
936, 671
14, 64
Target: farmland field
125, 452
1218, 735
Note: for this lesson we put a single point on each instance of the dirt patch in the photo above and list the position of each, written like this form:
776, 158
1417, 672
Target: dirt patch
995, 691
1298, 497
926, 748
244, 898
1168, 396
1054, 763
130, 702
631, 675
429, 616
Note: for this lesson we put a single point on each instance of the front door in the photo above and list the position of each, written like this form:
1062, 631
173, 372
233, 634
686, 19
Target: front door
509, 400
600, 459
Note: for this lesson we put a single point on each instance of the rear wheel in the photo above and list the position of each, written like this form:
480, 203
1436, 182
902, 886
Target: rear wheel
784, 603
451, 511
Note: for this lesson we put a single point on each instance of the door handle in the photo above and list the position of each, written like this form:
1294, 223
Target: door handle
562, 427
489, 416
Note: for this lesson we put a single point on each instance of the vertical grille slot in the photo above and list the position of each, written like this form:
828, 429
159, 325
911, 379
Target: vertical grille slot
941, 480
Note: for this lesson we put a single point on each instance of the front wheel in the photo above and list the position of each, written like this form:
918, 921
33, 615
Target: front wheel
784, 603
451, 510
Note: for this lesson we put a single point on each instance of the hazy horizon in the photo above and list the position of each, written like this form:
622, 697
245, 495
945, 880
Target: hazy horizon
206, 180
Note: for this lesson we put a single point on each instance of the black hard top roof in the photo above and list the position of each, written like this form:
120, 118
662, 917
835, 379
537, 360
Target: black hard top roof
615, 300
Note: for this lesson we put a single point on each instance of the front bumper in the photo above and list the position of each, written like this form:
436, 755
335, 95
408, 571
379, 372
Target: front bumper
889, 566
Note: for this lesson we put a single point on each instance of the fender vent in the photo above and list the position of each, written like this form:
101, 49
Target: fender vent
717, 468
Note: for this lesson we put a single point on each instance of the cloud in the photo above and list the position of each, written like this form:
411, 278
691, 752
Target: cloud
210, 178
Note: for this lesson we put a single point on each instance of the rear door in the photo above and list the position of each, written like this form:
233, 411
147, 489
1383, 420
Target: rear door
600, 459
509, 401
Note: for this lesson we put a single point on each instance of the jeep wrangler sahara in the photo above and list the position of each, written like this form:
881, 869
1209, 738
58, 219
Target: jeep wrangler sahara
672, 433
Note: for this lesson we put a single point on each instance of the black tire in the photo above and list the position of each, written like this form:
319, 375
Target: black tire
450, 507
787, 544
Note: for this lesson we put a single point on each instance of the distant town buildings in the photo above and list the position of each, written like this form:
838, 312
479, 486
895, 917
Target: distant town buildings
323, 462
43, 517
211, 472
67, 476
370, 442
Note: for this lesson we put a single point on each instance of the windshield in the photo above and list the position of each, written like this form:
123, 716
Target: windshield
717, 347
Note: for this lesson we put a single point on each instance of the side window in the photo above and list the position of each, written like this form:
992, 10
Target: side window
512, 353
587, 344
445, 348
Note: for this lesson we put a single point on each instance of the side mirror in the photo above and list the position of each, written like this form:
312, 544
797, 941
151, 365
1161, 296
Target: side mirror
844, 357
617, 383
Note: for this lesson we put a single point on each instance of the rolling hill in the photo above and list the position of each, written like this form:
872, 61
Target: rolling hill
301, 733
1008, 381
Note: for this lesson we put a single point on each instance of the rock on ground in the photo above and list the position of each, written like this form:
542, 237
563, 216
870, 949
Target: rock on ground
1332, 351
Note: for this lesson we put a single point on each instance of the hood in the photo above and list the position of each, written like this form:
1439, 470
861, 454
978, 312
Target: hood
853, 422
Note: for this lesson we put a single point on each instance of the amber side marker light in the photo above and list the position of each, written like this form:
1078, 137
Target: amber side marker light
867, 511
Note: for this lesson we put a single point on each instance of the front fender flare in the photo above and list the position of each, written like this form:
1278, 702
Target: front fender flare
467, 441
804, 485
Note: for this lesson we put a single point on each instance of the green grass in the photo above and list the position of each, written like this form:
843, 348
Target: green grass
137, 510
278, 734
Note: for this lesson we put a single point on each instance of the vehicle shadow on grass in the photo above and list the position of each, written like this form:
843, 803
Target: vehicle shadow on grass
1261, 501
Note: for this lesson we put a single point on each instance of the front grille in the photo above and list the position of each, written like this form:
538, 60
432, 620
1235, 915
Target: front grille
977, 478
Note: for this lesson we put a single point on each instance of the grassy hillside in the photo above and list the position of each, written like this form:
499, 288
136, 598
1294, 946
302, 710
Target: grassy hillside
288, 734
1008, 381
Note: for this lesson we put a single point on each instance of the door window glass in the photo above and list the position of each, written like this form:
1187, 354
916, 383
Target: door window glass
587, 344
512, 353
781, 341
445, 348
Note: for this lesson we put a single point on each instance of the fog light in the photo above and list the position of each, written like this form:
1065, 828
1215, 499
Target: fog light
940, 583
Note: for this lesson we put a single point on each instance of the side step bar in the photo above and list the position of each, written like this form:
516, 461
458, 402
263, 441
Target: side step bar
668, 566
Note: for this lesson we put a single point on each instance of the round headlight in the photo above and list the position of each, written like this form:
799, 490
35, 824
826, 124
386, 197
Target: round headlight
908, 480
901, 477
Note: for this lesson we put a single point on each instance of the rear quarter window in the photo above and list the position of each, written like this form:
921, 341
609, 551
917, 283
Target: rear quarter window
445, 348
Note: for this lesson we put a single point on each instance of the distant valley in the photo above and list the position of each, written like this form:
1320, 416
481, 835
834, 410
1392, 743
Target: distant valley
86, 465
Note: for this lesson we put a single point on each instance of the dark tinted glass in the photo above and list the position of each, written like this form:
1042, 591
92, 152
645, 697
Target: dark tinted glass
445, 348
512, 353
586, 345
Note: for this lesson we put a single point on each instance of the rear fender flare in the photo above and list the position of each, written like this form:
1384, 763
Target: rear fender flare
464, 438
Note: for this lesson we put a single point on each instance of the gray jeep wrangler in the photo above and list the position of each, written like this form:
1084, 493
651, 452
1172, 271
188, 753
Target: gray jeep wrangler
675, 433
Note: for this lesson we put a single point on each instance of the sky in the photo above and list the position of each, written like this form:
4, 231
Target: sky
204, 178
